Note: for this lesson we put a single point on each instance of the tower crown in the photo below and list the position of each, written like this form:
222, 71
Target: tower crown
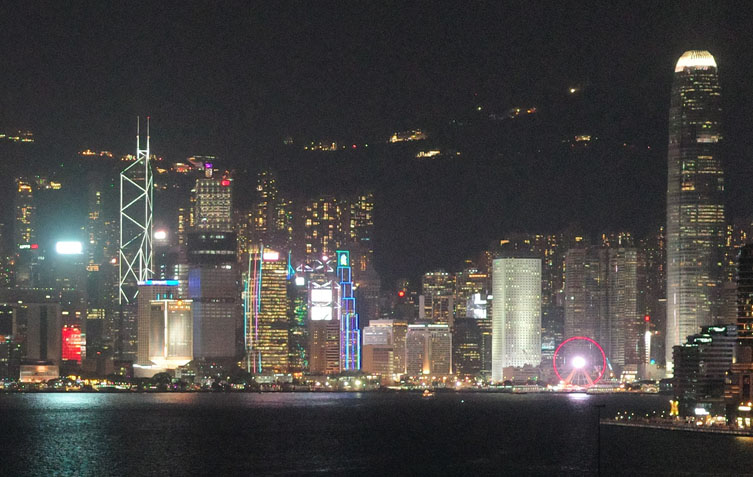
695, 59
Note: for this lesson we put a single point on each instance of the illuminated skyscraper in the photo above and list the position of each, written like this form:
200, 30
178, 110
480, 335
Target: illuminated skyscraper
24, 230
466, 346
271, 217
213, 204
170, 333
622, 331
322, 226
585, 291
471, 292
323, 323
695, 206
516, 315
267, 324
745, 296
379, 348
428, 349
150, 290
213, 279
262, 215
350, 330
437, 301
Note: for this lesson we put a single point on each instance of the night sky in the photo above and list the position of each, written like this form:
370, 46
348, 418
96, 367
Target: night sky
233, 80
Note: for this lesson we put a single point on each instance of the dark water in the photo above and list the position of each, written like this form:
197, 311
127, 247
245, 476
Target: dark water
346, 434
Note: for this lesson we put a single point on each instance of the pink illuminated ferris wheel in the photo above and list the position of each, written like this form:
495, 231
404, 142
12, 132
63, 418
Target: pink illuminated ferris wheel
579, 361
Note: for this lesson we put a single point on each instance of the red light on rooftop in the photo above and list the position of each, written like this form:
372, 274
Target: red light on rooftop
225, 182
647, 318
401, 293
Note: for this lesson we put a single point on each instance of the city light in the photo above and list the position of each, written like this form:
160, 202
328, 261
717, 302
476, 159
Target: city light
160, 235
69, 248
173, 283
270, 256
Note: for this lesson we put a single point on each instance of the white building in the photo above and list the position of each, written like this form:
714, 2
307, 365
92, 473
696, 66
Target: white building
516, 314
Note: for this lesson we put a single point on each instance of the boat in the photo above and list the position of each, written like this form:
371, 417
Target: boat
427, 394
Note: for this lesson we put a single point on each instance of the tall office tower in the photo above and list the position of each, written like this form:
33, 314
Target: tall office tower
516, 315
213, 204
350, 328
24, 226
548, 249
428, 350
695, 205
149, 290
298, 335
585, 291
379, 348
437, 300
34, 324
745, 297
622, 331
324, 297
270, 220
485, 347
263, 213
654, 248
213, 279
360, 230
170, 332
322, 227
466, 346
471, 291
24, 233
267, 324
213, 286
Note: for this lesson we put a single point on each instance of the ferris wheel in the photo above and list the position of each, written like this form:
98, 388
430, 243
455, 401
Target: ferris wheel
579, 361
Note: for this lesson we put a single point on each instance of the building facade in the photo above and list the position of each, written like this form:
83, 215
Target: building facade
695, 206
516, 314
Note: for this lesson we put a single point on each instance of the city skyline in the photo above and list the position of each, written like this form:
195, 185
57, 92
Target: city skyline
622, 92
325, 237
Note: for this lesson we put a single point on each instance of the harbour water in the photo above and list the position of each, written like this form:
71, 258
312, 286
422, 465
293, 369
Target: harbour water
450, 433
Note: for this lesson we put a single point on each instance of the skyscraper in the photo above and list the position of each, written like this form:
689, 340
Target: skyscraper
213, 276
585, 291
267, 324
622, 331
213, 204
437, 301
695, 208
745, 296
516, 315
428, 349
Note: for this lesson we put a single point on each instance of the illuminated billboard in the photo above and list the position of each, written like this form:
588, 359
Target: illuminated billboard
323, 300
321, 313
321, 296
69, 248
72, 341
270, 256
